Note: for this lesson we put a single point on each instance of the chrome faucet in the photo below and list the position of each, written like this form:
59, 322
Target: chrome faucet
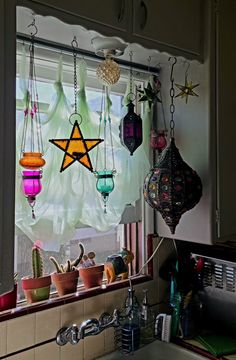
73, 334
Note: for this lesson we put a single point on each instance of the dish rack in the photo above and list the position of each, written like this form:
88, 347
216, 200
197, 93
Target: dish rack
218, 273
218, 294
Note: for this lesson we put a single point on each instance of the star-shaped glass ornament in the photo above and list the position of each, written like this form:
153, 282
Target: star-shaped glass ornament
76, 148
150, 94
186, 89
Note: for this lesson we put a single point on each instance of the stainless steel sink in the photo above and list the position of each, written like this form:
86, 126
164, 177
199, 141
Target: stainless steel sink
157, 350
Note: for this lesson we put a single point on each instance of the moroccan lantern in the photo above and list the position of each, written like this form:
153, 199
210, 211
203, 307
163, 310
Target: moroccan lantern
131, 132
172, 187
32, 144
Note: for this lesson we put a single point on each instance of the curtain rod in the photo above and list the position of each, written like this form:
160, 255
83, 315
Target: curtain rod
85, 53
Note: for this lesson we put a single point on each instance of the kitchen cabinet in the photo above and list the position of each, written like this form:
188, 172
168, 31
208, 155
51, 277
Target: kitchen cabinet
172, 26
110, 17
205, 134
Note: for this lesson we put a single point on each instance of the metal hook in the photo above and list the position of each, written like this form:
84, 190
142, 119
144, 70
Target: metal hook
74, 43
35, 28
131, 55
172, 68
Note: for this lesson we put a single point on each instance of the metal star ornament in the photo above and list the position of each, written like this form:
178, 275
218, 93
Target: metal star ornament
76, 148
150, 94
186, 89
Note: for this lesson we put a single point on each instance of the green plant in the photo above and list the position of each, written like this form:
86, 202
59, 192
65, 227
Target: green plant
37, 261
69, 265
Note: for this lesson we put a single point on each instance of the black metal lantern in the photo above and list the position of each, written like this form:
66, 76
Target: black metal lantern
172, 187
131, 132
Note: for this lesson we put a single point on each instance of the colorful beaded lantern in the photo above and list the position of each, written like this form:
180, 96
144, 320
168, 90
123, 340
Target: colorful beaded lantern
172, 187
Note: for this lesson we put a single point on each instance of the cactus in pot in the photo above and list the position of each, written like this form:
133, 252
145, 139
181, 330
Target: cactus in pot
37, 287
90, 273
69, 265
37, 262
66, 276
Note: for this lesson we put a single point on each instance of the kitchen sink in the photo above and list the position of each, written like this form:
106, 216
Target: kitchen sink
157, 350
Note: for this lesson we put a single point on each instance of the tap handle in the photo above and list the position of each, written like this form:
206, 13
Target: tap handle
73, 334
105, 319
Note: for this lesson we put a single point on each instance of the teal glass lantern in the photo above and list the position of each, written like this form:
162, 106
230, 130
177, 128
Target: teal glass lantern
105, 160
105, 184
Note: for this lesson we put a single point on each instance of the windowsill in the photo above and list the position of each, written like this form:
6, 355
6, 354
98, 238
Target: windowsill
82, 293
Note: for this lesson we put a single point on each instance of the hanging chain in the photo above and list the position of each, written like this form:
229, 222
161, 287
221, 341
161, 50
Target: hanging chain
131, 73
74, 44
172, 95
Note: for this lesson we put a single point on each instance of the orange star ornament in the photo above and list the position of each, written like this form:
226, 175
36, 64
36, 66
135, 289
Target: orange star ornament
76, 148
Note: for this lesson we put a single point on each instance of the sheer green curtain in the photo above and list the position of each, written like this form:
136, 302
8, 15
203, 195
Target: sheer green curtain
70, 199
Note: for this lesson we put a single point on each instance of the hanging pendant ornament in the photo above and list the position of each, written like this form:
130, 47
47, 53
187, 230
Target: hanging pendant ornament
103, 171
31, 144
172, 187
76, 148
187, 88
158, 139
131, 131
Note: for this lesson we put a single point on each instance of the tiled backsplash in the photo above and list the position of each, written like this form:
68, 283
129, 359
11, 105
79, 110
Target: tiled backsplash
26, 331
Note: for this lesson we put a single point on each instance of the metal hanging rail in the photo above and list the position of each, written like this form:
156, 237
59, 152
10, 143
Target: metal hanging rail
85, 53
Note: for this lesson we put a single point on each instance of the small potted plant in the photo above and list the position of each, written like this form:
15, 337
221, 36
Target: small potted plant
8, 300
36, 288
90, 273
66, 276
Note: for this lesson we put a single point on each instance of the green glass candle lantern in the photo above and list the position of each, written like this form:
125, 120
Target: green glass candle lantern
105, 161
105, 183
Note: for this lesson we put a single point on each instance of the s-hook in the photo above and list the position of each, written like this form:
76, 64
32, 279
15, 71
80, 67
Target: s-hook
32, 24
172, 68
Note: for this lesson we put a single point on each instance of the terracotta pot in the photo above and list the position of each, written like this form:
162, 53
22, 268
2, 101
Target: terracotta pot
8, 300
36, 289
32, 160
66, 283
92, 276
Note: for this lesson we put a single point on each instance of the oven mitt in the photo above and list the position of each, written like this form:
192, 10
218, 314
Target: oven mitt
218, 344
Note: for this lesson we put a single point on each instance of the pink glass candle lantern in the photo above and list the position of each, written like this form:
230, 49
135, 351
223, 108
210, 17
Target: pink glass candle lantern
31, 186
158, 140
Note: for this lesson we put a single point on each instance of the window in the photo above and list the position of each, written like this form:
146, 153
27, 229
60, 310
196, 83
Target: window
104, 243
